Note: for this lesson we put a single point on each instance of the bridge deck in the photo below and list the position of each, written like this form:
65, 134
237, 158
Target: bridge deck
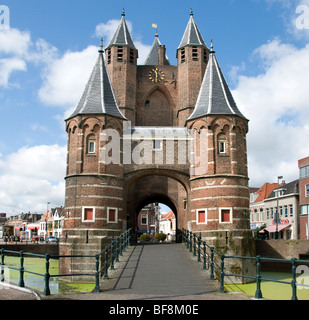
159, 271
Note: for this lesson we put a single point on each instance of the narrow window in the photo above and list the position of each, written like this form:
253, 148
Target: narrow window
307, 190
131, 56
112, 215
183, 55
194, 53
147, 104
205, 56
201, 216
88, 214
109, 56
221, 146
120, 54
91, 146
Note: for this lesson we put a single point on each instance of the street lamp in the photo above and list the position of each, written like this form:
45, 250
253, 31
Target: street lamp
277, 215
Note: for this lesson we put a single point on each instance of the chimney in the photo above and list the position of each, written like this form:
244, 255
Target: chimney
161, 55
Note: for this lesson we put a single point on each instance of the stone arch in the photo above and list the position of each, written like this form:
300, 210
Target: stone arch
145, 186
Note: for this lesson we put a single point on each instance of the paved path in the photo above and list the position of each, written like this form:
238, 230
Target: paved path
155, 272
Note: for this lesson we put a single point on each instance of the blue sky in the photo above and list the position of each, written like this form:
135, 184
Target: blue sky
47, 54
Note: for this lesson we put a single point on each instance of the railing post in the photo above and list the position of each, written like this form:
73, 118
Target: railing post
112, 255
97, 274
204, 255
182, 235
117, 249
294, 283
2, 266
47, 275
21, 270
212, 276
120, 245
106, 263
199, 249
124, 241
194, 244
190, 241
258, 293
222, 274
130, 235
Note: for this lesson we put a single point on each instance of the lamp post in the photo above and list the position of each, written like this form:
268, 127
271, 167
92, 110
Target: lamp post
277, 215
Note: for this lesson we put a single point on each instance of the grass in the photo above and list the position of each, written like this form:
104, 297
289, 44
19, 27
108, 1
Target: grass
36, 282
272, 290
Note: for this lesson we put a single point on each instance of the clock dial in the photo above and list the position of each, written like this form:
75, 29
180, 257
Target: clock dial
156, 75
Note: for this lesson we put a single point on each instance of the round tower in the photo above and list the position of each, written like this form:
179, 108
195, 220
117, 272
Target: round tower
94, 190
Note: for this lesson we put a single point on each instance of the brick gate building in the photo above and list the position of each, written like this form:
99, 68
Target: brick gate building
156, 133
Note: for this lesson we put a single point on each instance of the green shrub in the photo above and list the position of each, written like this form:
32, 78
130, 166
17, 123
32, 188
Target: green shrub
145, 237
160, 236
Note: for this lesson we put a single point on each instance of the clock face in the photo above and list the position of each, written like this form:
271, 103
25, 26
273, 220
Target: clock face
156, 75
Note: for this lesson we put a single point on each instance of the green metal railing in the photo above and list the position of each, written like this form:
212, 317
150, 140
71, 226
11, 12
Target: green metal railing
210, 257
107, 257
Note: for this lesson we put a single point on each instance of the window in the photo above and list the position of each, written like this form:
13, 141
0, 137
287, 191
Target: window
304, 209
291, 210
281, 211
185, 204
119, 54
261, 215
144, 219
183, 55
286, 211
201, 216
157, 144
307, 190
91, 146
88, 214
109, 56
147, 104
221, 146
112, 215
225, 215
205, 56
194, 53
131, 56
271, 213
304, 172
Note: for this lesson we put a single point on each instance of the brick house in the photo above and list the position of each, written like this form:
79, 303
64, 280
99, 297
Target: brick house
303, 165
168, 225
156, 132
148, 219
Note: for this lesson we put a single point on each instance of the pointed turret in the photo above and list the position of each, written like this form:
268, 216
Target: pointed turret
192, 57
98, 96
192, 35
122, 36
153, 58
215, 96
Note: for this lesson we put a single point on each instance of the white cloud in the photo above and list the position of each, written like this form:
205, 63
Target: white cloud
8, 66
276, 103
31, 177
65, 78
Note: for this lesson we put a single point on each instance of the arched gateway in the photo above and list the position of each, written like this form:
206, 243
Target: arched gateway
156, 133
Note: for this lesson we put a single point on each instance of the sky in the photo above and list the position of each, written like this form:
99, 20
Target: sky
48, 49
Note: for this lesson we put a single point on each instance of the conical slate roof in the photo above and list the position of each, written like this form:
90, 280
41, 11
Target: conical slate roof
122, 35
215, 96
98, 96
153, 56
192, 35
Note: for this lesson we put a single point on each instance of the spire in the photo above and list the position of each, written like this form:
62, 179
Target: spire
192, 35
153, 56
98, 96
122, 35
215, 96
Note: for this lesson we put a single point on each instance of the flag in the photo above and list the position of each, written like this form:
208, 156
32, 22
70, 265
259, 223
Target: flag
154, 25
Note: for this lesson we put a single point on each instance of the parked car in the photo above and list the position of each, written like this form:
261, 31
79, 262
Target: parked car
51, 239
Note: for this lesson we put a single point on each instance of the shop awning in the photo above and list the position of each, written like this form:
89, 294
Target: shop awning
272, 229
33, 226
